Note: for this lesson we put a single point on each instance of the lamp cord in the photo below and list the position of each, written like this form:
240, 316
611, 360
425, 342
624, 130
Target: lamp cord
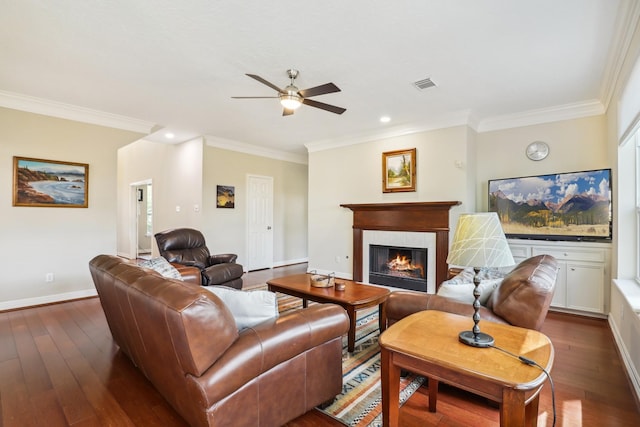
530, 362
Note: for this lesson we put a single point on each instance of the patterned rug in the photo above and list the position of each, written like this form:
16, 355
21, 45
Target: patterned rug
360, 403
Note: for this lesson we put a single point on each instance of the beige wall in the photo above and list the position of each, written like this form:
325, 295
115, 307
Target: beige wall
186, 175
37, 241
353, 174
226, 228
575, 145
175, 172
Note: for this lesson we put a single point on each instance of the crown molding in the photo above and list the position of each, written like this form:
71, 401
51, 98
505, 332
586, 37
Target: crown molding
626, 24
241, 147
544, 115
61, 110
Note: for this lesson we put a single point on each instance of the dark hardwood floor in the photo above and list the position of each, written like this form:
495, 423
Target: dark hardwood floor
60, 367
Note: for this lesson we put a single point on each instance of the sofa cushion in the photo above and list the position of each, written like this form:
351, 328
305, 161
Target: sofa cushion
527, 289
247, 307
162, 266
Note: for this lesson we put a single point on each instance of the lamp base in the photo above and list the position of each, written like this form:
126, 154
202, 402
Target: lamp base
480, 339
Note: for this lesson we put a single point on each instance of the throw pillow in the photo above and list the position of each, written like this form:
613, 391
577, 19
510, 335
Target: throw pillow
247, 307
162, 266
460, 292
461, 286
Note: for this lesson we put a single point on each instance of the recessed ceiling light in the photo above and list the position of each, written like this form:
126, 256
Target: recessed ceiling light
385, 119
169, 135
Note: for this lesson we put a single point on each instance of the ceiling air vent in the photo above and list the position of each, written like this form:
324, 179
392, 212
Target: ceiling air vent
424, 83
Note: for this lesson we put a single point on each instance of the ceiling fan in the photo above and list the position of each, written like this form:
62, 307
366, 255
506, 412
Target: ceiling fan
291, 98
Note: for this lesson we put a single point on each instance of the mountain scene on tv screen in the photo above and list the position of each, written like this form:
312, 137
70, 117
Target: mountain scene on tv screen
568, 204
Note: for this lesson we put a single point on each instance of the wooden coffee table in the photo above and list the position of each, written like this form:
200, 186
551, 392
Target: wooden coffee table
356, 296
427, 343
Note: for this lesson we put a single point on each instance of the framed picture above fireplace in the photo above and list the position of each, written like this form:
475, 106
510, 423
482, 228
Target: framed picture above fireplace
399, 171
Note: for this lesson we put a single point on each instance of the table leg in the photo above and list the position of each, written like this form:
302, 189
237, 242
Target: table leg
390, 384
304, 303
351, 335
512, 408
531, 412
382, 317
433, 394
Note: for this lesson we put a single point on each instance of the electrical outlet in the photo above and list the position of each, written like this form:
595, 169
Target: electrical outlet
49, 277
338, 259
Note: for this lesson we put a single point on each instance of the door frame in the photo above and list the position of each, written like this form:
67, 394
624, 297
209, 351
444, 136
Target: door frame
133, 217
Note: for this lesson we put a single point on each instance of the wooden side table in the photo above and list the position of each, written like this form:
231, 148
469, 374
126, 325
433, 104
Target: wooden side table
427, 343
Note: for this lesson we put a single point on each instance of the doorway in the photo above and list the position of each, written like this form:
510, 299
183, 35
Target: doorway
142, 226
259, 222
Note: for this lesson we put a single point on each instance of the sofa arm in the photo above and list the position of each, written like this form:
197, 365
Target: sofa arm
269, 344
222, 258
189, 274
220, 274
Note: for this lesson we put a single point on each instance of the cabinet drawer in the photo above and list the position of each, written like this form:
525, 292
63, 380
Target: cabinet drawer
562, 254
519, 252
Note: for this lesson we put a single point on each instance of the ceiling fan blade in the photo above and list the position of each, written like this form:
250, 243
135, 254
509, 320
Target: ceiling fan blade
287, 112
323, 106
319, 90
263, 81
254, 97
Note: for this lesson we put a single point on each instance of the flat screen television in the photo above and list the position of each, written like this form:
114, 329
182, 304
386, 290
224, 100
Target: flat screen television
573, 206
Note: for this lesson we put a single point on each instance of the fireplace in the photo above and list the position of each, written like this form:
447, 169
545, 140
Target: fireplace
427, 220
399, 267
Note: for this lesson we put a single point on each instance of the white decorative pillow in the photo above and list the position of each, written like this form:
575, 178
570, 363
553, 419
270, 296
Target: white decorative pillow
162, 266
248, 307
461, 292
461, 286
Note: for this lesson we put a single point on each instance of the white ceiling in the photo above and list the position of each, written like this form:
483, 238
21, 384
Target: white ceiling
176, 64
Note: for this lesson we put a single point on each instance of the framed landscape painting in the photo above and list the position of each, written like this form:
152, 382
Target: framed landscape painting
50, 183
399, 171
225, 196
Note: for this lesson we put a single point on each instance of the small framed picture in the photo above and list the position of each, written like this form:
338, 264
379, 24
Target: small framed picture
225, 196
399, 171
50, 183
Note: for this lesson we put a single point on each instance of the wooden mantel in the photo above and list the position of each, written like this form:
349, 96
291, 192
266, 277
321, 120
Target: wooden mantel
417, 216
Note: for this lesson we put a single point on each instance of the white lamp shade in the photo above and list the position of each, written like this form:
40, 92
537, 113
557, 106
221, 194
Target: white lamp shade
480, 242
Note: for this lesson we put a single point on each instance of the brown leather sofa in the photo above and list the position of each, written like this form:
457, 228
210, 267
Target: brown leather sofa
185, 341
522, 298
187, 247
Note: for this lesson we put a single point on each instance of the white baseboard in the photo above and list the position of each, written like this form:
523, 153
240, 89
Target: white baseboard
338, 274
626, 358
290, 262
125, 255
48, 299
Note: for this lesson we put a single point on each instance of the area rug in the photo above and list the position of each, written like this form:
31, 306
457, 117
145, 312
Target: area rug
360, 402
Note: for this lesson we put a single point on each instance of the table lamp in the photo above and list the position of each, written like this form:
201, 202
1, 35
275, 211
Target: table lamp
479, 242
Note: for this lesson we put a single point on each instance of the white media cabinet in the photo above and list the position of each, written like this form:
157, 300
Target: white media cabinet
584, 273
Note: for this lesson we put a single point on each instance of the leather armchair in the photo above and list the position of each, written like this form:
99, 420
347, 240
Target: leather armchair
522, 298
187, 247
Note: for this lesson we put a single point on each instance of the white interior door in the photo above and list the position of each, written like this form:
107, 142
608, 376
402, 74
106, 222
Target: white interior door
259, 222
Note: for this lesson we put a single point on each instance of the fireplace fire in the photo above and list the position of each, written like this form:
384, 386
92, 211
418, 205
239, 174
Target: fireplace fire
398, 267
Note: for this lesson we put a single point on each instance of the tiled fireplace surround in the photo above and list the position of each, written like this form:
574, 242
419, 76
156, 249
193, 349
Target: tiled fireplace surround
422, 225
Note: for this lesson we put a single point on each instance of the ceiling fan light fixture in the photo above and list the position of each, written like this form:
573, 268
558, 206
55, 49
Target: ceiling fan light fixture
290, 101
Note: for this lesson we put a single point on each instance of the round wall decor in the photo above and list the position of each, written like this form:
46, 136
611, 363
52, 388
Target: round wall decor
537, 150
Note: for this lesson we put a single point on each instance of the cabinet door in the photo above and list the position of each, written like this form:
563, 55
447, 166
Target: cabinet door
560, 293
584, 287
